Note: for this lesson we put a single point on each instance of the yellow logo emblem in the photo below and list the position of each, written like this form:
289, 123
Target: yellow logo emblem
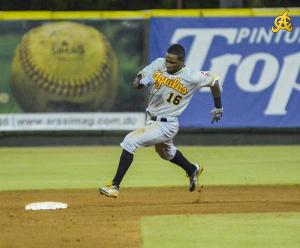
283, 22
173, 83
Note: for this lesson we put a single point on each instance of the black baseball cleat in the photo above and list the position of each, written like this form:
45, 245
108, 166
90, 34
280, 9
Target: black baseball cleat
194, 177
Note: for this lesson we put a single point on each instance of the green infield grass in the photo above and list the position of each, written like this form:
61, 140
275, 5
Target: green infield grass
277, 230
90, 167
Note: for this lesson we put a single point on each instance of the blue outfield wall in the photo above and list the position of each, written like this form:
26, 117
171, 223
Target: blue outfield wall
259, 69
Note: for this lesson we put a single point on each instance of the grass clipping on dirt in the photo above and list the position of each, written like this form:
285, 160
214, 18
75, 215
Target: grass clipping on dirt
276, 230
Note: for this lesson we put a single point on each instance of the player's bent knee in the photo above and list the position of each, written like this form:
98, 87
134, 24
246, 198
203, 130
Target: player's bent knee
166, 153
129, 144
171, 153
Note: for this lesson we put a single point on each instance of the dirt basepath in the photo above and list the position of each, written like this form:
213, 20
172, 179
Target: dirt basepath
96, 221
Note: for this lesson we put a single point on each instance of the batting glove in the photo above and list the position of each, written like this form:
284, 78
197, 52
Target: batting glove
217, 114
146, 81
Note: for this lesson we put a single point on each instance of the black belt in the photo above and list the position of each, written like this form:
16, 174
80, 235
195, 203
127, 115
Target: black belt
162, 119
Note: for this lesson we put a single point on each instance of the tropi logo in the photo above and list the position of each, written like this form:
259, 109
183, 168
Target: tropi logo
283, 22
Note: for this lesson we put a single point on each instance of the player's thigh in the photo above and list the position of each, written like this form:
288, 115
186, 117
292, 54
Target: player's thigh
146, 136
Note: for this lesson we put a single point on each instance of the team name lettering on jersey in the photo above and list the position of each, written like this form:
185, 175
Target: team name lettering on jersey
173, 83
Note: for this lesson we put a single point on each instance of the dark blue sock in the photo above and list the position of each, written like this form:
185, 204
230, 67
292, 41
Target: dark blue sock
124, 163
182, 162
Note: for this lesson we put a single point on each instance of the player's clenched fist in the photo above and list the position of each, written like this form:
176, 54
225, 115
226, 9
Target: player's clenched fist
140, 81
145, 81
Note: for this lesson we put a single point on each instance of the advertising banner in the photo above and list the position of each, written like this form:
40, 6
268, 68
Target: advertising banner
259, 67
84, 66
71, 121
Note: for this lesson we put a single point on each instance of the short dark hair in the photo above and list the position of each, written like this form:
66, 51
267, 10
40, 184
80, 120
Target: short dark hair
178, 50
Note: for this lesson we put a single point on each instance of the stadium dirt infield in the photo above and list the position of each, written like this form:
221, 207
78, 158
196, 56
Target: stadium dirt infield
93, 220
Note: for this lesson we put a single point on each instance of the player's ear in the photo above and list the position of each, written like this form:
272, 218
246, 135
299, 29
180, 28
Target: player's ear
182, 61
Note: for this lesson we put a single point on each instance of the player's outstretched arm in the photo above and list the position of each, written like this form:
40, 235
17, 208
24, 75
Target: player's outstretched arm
217, 112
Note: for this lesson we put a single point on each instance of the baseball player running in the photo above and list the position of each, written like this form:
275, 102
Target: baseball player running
171, 86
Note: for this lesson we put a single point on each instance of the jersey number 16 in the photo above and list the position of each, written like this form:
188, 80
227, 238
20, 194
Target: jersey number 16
175, 100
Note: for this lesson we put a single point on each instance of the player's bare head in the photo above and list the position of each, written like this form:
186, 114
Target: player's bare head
175, 58
177, 50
